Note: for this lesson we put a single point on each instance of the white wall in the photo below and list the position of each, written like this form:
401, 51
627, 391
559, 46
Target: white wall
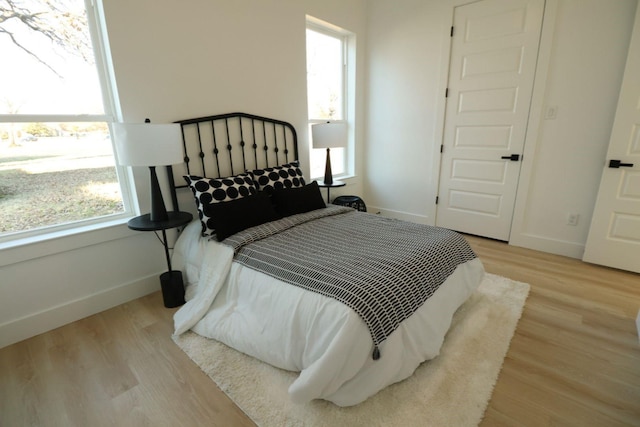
48, 284
405, 94
210, 57
563, 164
582, 59
172, 61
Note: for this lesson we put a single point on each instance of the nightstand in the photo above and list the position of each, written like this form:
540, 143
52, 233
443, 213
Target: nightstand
334, 184
170, 281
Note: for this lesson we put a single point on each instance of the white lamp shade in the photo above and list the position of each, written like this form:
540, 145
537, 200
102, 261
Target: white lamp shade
148, 144
329, 135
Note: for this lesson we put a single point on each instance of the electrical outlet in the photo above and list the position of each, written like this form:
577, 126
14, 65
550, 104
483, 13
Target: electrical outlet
572, 218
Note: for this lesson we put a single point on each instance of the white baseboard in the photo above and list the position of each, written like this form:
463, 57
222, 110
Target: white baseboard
546, 244
46, 320
405, 216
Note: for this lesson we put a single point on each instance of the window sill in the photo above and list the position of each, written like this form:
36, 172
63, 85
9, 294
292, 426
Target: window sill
346, 178
46, 244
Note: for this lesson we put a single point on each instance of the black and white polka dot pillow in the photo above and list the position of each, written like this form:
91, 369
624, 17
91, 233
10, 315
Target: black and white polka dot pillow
288, 175
208, 191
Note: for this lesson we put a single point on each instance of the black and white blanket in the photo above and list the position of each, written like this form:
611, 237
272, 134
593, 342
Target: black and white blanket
384, 269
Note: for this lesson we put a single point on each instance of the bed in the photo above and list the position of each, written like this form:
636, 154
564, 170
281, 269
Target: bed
352, 301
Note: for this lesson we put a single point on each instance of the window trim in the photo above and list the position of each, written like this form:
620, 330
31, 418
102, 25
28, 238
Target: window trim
104, 68
344, 44
53, 242
348, 88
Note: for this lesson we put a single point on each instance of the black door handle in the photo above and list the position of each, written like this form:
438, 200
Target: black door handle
617, 164
513, 157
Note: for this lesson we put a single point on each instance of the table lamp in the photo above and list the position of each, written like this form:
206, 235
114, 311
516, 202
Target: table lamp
329, 135
147, 144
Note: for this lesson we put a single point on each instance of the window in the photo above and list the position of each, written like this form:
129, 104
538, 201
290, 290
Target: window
330, 53
57, 168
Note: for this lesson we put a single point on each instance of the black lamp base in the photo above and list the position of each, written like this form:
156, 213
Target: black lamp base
158, 210
328, 176
172, 288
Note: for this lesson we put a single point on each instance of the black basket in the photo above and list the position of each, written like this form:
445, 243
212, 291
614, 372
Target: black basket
354, 202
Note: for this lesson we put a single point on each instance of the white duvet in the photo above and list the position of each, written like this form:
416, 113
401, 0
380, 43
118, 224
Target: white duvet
297, 330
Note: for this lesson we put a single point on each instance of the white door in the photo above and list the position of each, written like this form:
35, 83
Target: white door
494, 50
614, 236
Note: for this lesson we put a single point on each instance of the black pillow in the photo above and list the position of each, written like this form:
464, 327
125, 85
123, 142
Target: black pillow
237, 215
291, 201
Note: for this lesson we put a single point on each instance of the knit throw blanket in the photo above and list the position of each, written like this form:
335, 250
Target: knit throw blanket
382, 268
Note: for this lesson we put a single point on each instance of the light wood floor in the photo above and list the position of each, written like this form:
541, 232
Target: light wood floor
574, 360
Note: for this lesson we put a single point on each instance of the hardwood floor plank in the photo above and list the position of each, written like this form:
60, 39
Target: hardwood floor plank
575, 355
574, 359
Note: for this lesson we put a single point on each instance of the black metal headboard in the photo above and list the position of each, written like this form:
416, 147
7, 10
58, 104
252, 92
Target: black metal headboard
229, 144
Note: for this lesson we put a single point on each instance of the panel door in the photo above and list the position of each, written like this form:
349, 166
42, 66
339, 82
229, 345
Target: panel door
614, 236
494, 51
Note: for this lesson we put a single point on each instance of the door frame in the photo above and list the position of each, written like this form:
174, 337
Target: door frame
519, 235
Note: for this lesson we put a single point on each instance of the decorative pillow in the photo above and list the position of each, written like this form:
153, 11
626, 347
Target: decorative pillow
288, 175
211, 191
291, 201
237, 215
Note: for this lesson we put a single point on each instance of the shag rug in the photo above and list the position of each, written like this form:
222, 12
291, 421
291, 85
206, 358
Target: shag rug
453, 389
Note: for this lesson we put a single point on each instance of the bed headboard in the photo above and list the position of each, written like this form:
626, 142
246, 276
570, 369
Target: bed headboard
229, 144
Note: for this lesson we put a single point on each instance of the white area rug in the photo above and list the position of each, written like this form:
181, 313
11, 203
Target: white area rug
452, 390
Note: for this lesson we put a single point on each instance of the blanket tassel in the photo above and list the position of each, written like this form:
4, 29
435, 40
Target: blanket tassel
376, 353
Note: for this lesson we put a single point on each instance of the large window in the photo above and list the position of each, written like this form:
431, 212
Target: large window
57, 168
330, 53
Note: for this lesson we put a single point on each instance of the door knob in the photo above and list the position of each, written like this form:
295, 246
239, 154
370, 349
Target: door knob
617, 164
513, 157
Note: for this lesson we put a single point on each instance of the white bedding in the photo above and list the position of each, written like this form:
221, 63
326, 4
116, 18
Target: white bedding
298, 330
